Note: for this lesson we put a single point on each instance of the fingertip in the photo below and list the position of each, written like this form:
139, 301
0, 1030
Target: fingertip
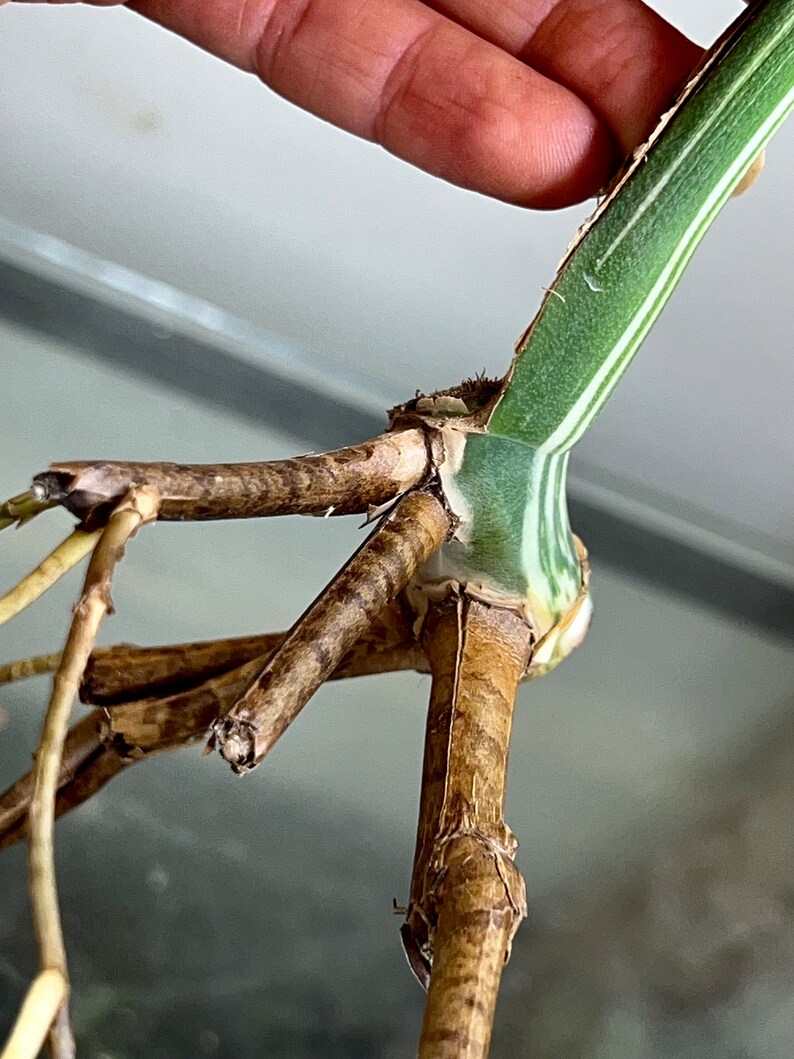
491, 125
569, 162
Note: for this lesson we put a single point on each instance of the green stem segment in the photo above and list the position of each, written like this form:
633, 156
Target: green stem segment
609, 290
622, 269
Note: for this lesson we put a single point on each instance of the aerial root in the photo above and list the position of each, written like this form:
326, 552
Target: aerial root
125, 672
107, 741
83, 744
34, 666
59, 562
21, 509
39, 1010
316, 644
139, 507
346, 481
467, 897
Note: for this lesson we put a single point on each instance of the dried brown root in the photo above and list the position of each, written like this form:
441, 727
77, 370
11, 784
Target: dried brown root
316, 644
345, 481
107, 741
750, 177
139, 507
59, 562
43, 1001
84, 754
467, 897
125, 672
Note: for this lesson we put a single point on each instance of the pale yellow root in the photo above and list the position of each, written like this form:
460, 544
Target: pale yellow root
42, 1003
68, 554
29, 667
137, 508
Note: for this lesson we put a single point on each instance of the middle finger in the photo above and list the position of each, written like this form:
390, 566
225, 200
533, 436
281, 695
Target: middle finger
619, 56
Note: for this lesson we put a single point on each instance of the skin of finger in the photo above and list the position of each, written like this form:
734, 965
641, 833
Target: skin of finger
424, 87
619, 56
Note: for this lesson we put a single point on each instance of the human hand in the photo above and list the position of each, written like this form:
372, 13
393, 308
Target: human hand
530, 101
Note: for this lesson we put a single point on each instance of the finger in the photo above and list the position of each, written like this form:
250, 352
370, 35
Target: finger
619, 56
421, 85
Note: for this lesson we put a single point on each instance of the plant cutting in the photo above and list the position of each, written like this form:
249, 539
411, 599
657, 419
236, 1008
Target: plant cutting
472, 571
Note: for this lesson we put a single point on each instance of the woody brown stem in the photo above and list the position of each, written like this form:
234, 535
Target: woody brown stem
467, 896
316, 644
346, 481
126, 672
107, 741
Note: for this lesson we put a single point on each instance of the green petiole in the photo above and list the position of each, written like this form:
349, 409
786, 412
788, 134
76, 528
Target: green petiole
508, 487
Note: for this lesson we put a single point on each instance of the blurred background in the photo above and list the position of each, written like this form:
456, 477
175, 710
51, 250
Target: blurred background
192, 269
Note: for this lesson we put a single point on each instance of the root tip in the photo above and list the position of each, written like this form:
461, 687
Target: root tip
234, 740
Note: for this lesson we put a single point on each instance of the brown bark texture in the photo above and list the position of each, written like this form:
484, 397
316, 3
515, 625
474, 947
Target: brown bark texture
131, 728
126, 672
346, 481
316, 644
467, 896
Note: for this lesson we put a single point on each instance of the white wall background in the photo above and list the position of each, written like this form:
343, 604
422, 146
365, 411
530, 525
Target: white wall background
127, 142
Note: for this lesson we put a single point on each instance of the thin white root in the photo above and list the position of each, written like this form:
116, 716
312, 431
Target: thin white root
39, 1009
59, 562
